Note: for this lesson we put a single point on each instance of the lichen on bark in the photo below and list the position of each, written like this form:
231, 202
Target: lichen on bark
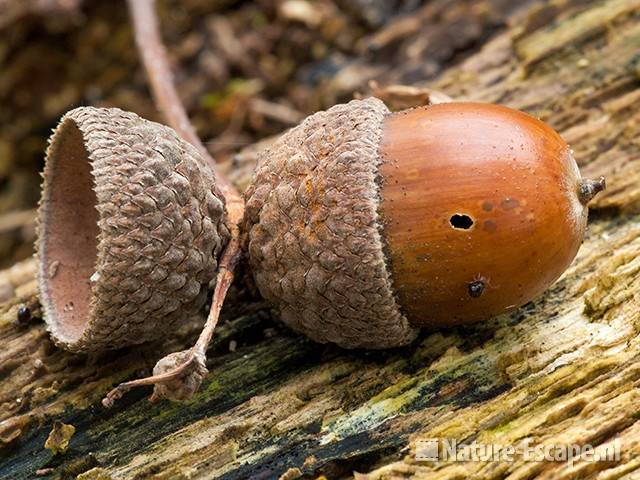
564, 368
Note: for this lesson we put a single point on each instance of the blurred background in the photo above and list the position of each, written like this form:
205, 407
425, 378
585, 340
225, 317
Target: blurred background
562, 369
246, 70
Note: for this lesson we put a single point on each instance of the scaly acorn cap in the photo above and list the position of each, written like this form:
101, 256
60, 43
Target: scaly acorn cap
130, 227
314, 233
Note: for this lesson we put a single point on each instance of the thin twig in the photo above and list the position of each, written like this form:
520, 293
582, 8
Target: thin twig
154, 57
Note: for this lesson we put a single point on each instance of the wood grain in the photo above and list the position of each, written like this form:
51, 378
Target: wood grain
564, 368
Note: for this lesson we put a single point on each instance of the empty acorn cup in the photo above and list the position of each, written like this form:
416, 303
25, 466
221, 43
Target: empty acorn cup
130, 228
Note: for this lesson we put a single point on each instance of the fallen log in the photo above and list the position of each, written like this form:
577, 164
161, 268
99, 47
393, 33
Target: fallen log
563, 369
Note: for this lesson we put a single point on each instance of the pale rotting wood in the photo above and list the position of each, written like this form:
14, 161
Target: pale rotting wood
564, 368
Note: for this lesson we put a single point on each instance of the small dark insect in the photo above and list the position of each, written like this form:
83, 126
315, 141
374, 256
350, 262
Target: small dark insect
24, 314
476, 288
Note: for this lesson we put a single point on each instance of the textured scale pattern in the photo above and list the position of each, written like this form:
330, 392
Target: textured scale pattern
313, 231
162, 228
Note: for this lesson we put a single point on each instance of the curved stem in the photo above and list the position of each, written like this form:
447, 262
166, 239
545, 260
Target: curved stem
123, 388
154, 58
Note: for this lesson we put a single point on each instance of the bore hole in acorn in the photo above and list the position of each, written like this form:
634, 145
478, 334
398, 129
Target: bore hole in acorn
461, 221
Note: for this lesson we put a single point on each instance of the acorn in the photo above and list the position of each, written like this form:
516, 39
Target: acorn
363, 225
131, 225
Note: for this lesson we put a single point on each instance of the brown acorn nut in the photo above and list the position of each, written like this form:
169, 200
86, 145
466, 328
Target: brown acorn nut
130, 229
363, 225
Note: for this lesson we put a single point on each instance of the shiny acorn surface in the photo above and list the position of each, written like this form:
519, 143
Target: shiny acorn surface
482, 210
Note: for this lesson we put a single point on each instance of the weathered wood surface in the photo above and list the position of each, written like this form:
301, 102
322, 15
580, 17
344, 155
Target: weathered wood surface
563, 369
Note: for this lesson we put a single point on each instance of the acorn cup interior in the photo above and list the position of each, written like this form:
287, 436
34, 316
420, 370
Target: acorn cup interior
69, 233
131, 225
